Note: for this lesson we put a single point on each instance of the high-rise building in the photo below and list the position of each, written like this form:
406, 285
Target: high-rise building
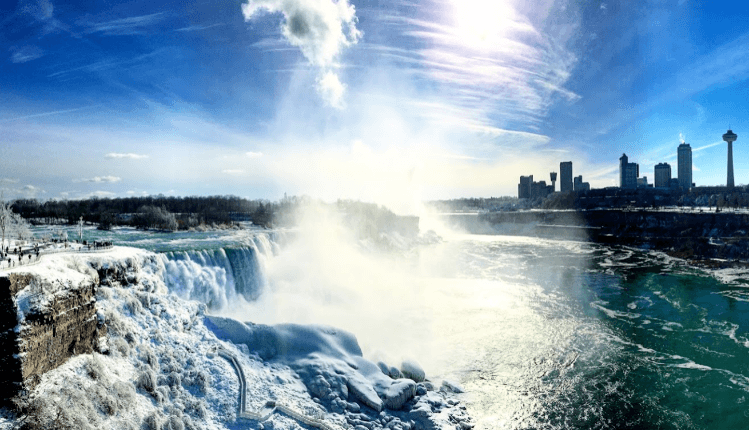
565, 171
553, 181
684, 159
525, 187
730, 137
628, 172
662, 175
580, 185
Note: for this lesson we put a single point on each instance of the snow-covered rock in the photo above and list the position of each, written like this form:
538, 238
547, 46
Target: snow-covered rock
159, 366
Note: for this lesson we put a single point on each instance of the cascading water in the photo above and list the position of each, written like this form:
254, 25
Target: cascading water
221, 276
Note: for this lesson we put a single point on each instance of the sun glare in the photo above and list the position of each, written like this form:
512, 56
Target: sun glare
482, 24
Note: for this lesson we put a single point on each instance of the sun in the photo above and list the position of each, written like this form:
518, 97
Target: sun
483, 24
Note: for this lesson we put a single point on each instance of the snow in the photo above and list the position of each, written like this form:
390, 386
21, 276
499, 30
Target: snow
160, 367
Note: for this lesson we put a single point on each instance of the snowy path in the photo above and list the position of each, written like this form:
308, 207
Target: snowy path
270, 406
45, 251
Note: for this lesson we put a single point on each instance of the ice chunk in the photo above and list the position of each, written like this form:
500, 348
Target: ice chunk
413, 371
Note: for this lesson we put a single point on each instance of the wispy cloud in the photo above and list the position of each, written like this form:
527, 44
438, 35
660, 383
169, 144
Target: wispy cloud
106, 64
100, 179
701, 148
25, 54
42, 114
199, 27
252, 154
233, 171
487, 59
43, 13
125, 26
128, 155
8, 181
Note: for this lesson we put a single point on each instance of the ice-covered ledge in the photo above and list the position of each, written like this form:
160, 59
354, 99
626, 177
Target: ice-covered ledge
158, 361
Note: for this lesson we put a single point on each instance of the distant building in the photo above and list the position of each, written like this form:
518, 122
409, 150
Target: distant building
628, 172
643, 182
580, 185
662, 175
565, 171
527, 189
674, 183
539, 189
684, 158
524, 187
553, 181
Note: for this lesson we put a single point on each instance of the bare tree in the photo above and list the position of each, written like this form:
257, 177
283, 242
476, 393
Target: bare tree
6, 218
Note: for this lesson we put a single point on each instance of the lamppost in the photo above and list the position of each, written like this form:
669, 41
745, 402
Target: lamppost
80, 229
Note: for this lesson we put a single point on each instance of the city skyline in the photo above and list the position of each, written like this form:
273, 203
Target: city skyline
395, 101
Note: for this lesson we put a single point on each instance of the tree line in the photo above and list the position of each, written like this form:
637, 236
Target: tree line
149, 212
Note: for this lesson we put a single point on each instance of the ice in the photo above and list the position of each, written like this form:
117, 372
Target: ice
159, 367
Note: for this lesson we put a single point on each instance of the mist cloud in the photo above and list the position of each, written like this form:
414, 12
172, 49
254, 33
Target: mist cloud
320, 29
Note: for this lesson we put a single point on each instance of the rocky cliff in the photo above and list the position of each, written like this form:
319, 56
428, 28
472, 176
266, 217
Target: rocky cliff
42, 324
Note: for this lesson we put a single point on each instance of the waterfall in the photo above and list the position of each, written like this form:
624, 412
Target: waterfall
220, 276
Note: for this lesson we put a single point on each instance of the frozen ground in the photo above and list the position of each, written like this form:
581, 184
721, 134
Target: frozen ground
159, 365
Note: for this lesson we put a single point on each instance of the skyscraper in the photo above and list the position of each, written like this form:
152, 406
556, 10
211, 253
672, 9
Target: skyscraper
628, 172
662, 175
553, 181
684, 159
730, 137
525, 187
565, 173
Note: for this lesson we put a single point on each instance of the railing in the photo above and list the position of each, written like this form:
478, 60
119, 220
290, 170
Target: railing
270, 406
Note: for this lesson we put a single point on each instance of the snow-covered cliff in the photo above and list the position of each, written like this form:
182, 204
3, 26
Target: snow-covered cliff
154, 360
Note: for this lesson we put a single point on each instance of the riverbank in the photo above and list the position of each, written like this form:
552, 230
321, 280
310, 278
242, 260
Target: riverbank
721, 237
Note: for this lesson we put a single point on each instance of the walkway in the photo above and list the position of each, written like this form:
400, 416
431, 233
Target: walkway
16, 261
270, 406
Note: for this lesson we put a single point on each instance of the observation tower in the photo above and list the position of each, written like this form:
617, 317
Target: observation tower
730, 137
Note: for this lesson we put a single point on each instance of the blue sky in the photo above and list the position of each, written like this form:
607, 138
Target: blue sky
393, 101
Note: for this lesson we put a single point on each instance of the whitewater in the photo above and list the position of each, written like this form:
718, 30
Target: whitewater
539, 333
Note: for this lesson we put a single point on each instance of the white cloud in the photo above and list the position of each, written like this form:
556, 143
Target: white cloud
331, 89
129, 155
25, 54
30, 191
98, 194
100, 179
321, 29
252, 154
8, 181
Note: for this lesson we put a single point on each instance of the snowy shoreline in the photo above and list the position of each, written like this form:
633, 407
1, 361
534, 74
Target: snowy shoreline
159, 366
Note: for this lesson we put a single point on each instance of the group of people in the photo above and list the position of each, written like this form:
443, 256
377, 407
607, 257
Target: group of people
19, 251
98, 245
5, 253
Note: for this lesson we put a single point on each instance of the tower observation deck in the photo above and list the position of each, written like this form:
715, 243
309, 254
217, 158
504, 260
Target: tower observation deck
730, 137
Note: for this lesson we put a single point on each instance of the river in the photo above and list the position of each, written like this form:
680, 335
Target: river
542, 334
